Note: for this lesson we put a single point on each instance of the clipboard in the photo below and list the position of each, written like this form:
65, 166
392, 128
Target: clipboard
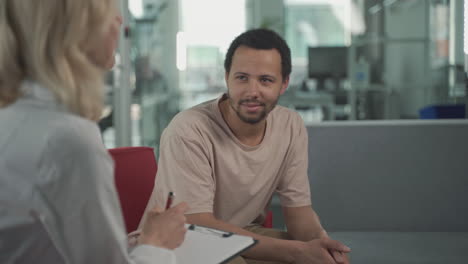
203, 245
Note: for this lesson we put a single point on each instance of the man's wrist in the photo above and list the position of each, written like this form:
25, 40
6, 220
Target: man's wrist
323, 234
292, 249
310, 235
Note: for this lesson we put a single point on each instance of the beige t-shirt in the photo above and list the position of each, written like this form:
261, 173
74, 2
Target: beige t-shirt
209, 168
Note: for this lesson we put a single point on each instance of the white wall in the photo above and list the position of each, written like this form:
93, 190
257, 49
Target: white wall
409, 65
168, 26
406, 60
265, 13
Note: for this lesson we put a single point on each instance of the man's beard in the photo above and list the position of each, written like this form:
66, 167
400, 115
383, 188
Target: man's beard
251, 120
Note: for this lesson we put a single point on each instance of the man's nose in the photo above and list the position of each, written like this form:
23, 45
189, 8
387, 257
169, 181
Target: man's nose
253, 88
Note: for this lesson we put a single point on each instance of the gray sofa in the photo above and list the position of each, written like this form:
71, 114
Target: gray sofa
394, 191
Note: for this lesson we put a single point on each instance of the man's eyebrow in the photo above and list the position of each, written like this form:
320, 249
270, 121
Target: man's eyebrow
244, 73
260, 76
268, 76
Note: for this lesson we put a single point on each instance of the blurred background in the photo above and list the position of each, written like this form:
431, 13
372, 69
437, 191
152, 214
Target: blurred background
352, 60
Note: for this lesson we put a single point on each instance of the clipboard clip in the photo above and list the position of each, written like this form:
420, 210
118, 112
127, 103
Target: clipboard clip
209, 231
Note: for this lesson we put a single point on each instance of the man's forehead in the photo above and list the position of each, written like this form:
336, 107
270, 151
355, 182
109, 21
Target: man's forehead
250, 50
256, 62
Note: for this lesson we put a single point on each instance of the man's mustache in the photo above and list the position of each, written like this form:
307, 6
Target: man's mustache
251, 101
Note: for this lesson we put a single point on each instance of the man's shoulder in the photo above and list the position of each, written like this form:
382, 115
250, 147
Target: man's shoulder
285, 110
197, 117
286, 116
286, 123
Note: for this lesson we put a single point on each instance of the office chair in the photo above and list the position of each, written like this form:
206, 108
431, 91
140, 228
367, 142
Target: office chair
135, 172
268, 220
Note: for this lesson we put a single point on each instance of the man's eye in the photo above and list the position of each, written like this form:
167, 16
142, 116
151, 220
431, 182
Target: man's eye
241, 77
266, 80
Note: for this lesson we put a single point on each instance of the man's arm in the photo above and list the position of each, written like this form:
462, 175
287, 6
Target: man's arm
273, 249
303, 224
301, 221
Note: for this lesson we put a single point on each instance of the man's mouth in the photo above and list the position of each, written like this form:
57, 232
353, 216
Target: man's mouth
252, 107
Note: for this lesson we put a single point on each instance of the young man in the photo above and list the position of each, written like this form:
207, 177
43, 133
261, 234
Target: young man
226, 158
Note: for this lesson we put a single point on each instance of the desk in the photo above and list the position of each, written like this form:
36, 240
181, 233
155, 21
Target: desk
305, 99
405, 247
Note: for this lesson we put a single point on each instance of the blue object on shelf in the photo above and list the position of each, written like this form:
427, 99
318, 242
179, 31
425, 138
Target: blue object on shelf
443, 111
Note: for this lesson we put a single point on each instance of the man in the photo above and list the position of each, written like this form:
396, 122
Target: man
227, 157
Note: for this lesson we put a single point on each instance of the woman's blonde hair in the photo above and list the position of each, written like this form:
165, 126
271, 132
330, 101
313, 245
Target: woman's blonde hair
48, 41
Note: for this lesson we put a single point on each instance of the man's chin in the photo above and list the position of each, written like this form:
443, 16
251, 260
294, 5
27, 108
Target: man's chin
252, 119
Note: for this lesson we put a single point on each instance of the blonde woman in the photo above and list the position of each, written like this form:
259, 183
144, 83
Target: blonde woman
58, 203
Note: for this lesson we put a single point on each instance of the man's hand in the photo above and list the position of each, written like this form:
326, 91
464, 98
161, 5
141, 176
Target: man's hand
164, 229
339, 257
317, 251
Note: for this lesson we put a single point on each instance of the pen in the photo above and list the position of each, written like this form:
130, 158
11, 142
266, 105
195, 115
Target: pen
170, 198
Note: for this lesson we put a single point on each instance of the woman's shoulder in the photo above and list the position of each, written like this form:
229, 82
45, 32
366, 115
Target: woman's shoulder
57, 130
73, 132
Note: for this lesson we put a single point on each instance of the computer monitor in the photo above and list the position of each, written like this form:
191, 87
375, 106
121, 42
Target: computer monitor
327, 63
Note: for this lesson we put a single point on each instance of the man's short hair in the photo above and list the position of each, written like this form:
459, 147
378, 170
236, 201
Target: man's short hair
263, 39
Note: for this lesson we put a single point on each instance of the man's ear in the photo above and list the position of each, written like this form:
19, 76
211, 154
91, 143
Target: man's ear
226, 76
284, 85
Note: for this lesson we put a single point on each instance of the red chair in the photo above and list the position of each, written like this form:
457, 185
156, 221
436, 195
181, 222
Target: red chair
135, 171
268, 220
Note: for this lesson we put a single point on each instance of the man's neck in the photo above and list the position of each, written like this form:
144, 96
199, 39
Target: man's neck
248, 134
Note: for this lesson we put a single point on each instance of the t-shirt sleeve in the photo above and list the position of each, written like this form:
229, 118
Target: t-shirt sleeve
184, 168
293, 187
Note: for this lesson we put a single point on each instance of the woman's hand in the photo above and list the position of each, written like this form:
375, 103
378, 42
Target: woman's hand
165, 229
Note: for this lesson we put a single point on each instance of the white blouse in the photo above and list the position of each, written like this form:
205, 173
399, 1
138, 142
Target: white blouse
58, 202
